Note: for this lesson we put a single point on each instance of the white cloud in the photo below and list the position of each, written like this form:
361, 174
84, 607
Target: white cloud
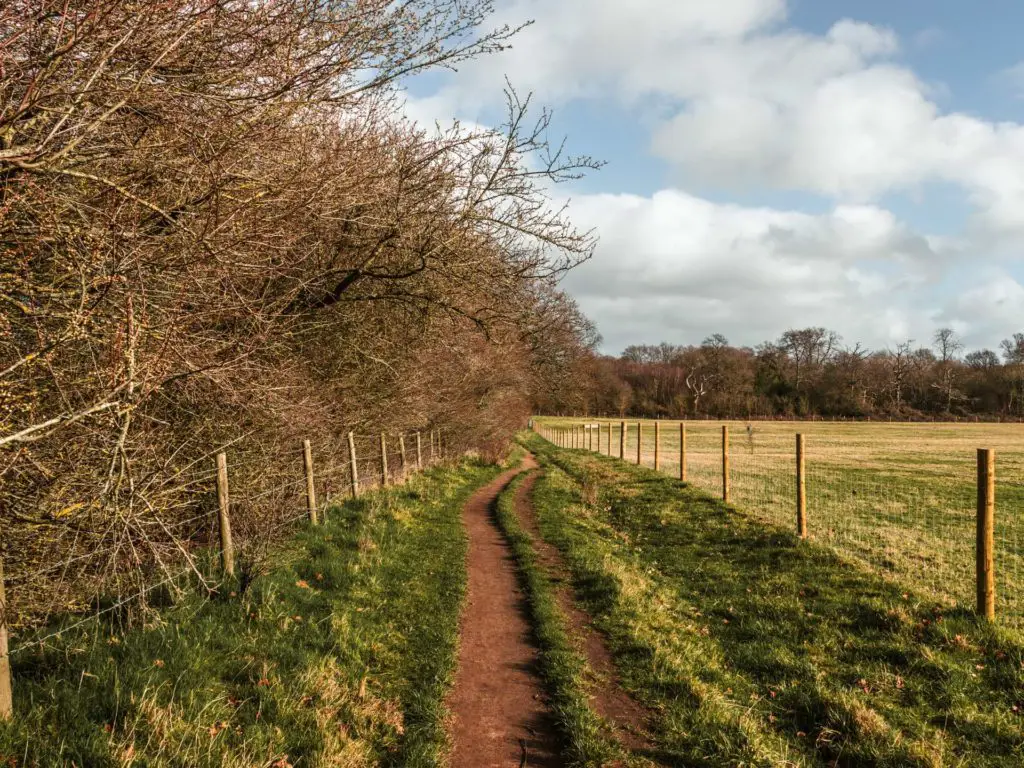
677, 268
747, 100
738, 98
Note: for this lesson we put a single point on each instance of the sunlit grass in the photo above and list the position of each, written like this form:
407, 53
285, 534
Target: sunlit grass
899, 498
760, 649
341, 656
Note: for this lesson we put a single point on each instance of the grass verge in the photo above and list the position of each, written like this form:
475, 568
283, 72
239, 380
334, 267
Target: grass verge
341, 656
760, 649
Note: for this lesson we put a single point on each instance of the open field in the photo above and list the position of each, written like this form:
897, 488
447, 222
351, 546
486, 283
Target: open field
758, 649
899, 499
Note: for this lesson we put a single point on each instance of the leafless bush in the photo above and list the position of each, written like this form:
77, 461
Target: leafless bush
216, 233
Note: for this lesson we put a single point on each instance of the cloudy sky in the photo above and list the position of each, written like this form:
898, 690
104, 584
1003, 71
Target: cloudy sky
774, 164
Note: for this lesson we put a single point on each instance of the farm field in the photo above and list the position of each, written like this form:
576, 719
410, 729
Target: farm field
899, 499
751, 647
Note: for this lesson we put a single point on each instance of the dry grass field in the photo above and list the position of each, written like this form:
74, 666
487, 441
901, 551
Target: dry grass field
899, 499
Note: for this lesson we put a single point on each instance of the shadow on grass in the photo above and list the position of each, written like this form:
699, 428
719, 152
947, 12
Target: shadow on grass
842, 665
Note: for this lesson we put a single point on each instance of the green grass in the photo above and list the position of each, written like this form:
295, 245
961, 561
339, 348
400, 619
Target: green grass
759, 649
341, 656
899, 498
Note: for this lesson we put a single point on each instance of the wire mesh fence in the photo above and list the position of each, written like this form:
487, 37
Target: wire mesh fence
76, 574
898, 499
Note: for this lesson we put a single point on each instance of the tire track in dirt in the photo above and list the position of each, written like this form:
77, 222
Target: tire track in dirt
501, 717
628, 718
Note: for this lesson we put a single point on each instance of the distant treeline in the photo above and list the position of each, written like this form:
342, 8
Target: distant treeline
803, 374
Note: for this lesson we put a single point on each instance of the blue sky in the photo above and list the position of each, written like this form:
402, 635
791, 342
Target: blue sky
774, 164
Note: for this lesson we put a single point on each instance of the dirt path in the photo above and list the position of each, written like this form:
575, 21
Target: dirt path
500, 710
628, 718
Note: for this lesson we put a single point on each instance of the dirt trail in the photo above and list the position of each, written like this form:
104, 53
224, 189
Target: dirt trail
499, 704
628, 718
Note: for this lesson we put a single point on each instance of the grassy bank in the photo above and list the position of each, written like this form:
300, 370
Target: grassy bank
340, 656
759, 649
898, 498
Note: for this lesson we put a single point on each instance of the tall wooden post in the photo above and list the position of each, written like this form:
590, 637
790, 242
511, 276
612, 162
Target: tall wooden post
307, 461
227, 550
682, 451
419, 453
657, 446
801, 490
353, 467
383, 460
6, 694
639, 442
590, 438
609, 438
401, 453
432, 454
622, 441
725, 463
986, 533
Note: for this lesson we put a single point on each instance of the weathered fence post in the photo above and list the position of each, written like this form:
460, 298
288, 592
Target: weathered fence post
353, 467
801, 490
639, 442
307, 460
590, 439
622, 441
682, 451
383, 460
6, 694
609, 438
401, 453
725, 463
419, 453
657, 445
986, 533
227, 550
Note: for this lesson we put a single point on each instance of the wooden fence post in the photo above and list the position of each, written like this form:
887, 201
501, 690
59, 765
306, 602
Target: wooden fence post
419, 453
725, 463
6, 694
682, 451
622, 441
353, 467
401, 453
590, 439
801, 490
609, 438
986, 533
657, 445
383, 461
227, 550
639, 442
307, 460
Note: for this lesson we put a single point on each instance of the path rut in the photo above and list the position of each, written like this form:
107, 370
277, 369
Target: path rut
501, 716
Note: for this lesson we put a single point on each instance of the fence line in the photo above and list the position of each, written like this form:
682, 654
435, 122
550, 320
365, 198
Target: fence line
911, 506
310, 510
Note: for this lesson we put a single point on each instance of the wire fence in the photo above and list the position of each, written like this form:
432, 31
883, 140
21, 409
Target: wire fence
130, 554
899, 499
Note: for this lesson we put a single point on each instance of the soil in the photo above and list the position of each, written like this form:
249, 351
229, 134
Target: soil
501, 714
628, 718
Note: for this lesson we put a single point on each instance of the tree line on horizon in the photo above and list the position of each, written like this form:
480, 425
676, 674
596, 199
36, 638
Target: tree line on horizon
805, 373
